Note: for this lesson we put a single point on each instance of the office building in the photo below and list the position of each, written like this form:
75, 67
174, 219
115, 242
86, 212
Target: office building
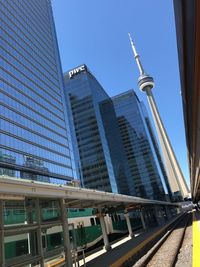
140, 147
95, 133
34, 139
164, 176
113, 143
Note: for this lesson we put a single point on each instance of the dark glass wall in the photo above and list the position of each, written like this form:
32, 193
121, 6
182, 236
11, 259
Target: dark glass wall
120, 165
149, 180
33, 128
161, 166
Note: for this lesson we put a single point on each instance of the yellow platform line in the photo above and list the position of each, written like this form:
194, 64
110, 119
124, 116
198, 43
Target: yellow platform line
196, 242
57, 263
133, 251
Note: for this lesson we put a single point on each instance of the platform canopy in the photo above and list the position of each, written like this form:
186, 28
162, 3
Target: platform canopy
187, 18
75, 197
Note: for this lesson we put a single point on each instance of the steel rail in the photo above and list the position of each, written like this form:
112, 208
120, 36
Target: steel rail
163, 241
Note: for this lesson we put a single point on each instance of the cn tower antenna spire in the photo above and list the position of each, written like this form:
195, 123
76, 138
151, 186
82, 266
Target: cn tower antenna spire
144, 81
136, 56
176, 179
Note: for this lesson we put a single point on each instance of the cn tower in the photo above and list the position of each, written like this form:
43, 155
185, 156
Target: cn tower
175, 176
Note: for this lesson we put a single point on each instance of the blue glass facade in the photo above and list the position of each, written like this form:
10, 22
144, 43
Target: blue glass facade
161, 167
91, 110
34, 141
118, 156
143, 159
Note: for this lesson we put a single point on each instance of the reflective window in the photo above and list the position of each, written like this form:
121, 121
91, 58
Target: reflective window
34, 132
83, 94
142, 160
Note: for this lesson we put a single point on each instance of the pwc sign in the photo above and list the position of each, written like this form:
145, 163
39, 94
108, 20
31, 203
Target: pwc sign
76, 71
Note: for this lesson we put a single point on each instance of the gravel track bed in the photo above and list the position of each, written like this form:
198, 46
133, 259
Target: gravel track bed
165, 255
167, 252
185, 255
142, 259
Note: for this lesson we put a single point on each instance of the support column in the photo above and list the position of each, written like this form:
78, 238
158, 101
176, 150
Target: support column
104, 232
168, 213
156, 212
160, 219
2, 250
31, 235
126, 215
39, 232
66, 240
142, 219
179, 210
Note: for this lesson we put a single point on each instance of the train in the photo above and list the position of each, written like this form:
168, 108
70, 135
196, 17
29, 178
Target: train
84, 230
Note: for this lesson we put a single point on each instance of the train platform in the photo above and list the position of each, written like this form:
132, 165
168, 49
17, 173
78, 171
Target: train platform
196, 239
125, 249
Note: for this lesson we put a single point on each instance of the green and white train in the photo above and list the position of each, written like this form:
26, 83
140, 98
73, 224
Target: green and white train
84, 229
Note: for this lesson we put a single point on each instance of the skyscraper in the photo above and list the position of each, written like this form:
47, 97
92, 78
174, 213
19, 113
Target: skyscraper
34, 139
95, 132
139, 144
114, 147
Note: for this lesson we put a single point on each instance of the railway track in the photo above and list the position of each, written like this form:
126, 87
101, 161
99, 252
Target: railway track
165, 251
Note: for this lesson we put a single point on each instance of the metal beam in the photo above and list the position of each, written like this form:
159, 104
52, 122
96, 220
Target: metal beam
39, 233
17, 262
45, 190
66, 240
45, 225
54, 252
18, 229
2, 251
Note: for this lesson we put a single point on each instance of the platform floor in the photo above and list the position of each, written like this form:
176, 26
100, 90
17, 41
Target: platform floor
196, 239
124, 249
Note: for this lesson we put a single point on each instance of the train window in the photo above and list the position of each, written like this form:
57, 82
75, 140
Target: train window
18, 212
92, 221
73, 210
21, 247
97, 220
55, 239
81, 209
6, 213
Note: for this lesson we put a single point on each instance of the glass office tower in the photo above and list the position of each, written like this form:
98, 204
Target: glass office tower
157, 151
93, 122
34, 139
120, 165
147, 173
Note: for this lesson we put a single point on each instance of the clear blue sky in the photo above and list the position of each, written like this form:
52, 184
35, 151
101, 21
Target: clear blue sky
94, 32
